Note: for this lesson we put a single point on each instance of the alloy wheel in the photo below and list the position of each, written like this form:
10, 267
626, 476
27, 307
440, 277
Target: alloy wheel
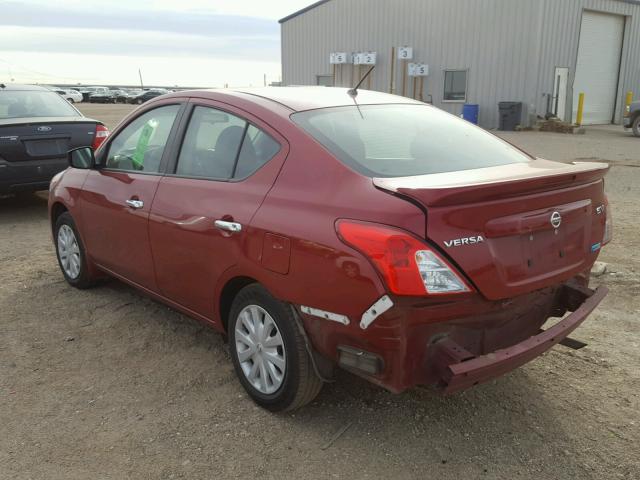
260, 349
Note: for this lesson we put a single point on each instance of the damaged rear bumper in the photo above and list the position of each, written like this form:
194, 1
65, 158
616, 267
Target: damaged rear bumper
459, 369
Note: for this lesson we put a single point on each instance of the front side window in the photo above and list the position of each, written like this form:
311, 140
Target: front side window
455, 85
405, 140
218, 145
139, 147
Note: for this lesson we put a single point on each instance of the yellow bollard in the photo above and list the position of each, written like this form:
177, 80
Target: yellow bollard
580, 109
629, 99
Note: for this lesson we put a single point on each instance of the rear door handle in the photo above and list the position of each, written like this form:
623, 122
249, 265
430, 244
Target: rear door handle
232, 227
135, 203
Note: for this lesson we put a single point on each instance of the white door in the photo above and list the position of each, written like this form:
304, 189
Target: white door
560, 92
598, 66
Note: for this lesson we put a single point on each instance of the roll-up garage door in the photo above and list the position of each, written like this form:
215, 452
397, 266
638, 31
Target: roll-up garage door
598, 66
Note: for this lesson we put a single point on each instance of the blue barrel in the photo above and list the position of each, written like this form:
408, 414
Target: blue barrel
470, 112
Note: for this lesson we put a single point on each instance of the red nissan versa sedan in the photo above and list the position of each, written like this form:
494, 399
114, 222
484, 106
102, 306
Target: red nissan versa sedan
318, 227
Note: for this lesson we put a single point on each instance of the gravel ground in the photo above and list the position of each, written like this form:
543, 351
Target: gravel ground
107, 384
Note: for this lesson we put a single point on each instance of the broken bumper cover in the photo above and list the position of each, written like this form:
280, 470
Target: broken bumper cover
460, 370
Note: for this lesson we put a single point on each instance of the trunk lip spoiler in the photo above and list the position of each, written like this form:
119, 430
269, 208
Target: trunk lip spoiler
514, 172
493, 183
467, 370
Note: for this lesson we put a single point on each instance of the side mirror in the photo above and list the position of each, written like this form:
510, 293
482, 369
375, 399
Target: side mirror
81, 157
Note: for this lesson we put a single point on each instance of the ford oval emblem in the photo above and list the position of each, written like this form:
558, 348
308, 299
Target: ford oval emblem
556, 219
44, 129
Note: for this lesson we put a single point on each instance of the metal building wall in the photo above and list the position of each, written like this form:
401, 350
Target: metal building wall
559, 39
510, 47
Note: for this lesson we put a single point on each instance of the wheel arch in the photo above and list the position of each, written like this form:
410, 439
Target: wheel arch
227, 295
57, 209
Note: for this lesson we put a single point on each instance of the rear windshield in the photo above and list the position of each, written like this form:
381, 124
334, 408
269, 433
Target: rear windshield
405, 140
34, 103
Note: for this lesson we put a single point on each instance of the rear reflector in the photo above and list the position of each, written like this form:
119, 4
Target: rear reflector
101, 135
354, 358
408, 265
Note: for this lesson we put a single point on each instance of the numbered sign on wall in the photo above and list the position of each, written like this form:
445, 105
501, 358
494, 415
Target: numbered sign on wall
364, 58
418, 69
405, 53
338, 58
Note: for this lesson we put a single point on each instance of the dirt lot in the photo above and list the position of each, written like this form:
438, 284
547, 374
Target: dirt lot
108, 384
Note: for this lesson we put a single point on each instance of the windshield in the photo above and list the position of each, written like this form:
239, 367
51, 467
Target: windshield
405, 140
34, 103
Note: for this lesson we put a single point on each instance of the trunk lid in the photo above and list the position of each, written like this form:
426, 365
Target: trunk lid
24, 139
514, 228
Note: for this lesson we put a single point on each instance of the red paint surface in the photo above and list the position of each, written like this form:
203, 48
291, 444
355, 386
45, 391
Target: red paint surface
171, 249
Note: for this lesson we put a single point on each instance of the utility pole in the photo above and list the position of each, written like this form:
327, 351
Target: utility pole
140, 75
265, 79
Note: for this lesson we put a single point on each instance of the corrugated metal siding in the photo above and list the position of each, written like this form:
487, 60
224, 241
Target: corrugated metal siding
510, 47
560, 39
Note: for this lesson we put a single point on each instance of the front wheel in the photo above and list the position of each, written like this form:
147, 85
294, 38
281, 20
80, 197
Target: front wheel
71, 253
268, 352
635, 126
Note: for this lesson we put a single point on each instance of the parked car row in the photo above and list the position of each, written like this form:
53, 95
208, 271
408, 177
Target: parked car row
97, 94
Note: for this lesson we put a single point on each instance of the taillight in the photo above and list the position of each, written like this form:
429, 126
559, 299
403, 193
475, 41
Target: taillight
101, 135
408, 266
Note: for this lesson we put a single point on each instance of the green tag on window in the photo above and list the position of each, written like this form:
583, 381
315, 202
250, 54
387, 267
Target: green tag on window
143, 143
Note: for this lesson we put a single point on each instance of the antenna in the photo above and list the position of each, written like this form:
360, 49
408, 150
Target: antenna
354, 91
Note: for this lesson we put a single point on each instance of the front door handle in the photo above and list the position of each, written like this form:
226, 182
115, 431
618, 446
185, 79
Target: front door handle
233, 227
135, 203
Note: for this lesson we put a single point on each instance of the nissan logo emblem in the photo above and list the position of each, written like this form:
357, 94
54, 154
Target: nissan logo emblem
44, 129
556, 219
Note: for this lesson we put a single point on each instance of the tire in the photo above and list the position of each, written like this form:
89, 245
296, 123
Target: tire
635, 126
72, 258
71, 100
298, 383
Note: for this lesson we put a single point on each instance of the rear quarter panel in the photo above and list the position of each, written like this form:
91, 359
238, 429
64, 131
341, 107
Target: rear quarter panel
311, 193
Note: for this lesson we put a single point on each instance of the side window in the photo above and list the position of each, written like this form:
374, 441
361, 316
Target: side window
139, 147
455, 85
211, 144
257, 149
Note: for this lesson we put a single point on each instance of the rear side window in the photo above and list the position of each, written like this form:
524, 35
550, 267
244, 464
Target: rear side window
218, 145
257, 149
405, 140
140, 145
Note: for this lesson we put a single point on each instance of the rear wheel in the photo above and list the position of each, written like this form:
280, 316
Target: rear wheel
268, 352
635, 126
70, 252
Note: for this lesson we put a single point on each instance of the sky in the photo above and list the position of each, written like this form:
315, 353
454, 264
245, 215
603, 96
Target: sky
196, 43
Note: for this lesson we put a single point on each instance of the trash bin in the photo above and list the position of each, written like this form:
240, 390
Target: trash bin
470, 112
510, 115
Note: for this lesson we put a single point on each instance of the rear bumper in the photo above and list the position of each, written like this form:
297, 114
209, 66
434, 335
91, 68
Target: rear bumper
454, 345
466, 370
30, 174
